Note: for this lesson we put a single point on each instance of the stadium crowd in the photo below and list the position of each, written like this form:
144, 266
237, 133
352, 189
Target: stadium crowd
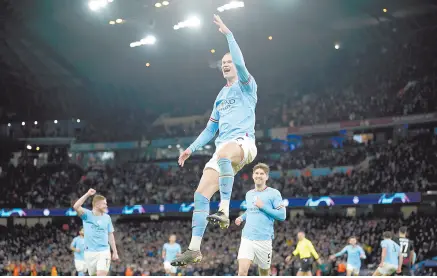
405, 166
44, 249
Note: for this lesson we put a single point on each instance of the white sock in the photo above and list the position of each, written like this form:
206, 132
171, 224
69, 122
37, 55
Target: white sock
224, 207
195, 243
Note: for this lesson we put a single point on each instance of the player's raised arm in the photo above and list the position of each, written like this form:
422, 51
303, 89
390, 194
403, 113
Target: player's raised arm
78, 205
234, 49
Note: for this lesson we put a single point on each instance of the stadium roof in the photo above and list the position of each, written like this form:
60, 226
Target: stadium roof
64, 43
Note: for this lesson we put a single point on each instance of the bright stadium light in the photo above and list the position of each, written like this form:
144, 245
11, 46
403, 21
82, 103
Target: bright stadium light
9, 124
158, 5
149, 40
96, 5
55, 121
230, 6
119, 20
191, 22
112, 22
23, 123
35, 122
165, 3
29, 147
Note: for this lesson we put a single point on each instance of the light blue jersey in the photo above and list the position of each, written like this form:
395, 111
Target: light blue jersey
259, 222
354, 254
393, 250
233, 112
96, 229
79, 243
171, 250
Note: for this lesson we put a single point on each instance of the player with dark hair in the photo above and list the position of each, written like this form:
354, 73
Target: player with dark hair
264, 207
407, 250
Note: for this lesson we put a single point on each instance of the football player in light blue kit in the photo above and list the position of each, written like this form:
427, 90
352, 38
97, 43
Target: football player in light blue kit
264, 206
169, 252
78, 248
233, 114
391, 257
354, 256
99, 234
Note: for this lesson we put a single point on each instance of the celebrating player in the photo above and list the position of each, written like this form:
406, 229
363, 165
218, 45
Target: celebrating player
305, 250
264, 206
99, 234
78, 247
169, 252
407, 250
354, 255
391, 257
234, 115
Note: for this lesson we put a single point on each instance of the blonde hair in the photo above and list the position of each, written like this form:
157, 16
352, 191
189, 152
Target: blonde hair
263, 167
98, 198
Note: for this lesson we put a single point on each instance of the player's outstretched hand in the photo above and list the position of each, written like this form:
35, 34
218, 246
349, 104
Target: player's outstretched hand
288, 259
115, 256
91, 192
238, 221
222, 27
184, 156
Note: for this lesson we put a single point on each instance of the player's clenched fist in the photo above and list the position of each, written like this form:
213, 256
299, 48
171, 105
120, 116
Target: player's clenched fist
238, 221
91, 192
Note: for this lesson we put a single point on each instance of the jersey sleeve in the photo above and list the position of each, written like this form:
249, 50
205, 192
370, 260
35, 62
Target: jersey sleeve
362, 253
277, 201
208, 133
384, 244
86, 214
246, 80
342, 252
313, 250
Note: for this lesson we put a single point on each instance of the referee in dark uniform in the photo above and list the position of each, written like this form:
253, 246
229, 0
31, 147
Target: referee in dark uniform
407, 250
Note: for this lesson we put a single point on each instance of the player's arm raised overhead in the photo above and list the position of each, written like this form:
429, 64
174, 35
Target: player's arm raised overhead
236, 54
78, 205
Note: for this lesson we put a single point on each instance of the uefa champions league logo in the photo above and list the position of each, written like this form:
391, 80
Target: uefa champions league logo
327, 201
